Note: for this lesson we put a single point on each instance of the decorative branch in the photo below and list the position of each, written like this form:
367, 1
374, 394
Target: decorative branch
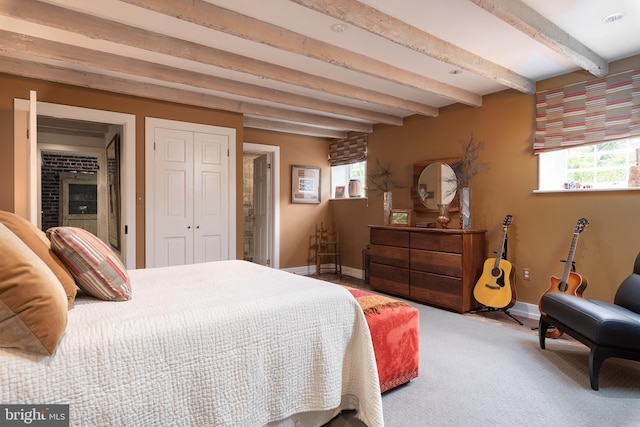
467, 167
380, 178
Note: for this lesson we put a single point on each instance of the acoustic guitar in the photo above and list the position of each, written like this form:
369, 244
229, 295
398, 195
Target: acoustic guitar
571, 282
495, 287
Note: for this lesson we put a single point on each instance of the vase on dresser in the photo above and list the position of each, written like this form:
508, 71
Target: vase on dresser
443, 215
387, 205
465, 208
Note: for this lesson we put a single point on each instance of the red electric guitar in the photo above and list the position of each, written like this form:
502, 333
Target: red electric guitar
571, 282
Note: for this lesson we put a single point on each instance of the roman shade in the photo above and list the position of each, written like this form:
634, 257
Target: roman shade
595, 111
348, 151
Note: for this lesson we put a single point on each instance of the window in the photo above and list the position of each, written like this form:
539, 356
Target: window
599, 166
348, 160
341, 175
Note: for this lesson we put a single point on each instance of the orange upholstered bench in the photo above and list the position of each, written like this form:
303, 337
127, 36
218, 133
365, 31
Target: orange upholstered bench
395, 334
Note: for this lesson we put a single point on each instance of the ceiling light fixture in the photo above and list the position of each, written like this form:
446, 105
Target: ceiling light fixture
613, 17
338, 28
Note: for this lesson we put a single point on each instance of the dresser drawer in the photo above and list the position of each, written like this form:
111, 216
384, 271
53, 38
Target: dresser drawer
388, 279
389, 255
434, 266
443, 291
442, 242
399, 238
449, 264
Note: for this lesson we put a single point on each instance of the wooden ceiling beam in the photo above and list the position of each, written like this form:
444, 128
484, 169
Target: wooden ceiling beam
89, 80
525, 19
397, 31
99, 28
16, 43
306, 118
298, 129
217, 18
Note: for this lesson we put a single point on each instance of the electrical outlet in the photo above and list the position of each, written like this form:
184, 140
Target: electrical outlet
526, 273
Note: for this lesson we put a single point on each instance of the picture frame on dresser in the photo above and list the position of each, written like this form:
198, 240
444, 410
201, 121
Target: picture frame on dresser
400, 218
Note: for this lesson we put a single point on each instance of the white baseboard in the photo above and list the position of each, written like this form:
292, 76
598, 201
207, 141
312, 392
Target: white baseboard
310, 270
353, 272
307, 270
524, 309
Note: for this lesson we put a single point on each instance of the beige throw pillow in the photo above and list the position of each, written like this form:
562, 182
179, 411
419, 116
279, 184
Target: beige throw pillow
37, 241
33, 304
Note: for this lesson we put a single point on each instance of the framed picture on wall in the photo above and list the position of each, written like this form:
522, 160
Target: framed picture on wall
305, 184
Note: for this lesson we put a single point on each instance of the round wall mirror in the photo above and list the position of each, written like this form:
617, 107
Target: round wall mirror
437, 185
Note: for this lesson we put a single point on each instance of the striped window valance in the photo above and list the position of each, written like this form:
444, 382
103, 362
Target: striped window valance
347, 151
599, 110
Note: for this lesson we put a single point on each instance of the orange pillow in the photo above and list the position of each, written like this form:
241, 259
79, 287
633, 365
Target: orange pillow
37, 241
33, 304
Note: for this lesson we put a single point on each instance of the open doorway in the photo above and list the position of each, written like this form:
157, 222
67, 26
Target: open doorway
28, 179
261, 195
74, 176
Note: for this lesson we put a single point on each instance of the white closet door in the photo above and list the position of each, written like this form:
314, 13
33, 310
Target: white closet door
174, 197
211, 192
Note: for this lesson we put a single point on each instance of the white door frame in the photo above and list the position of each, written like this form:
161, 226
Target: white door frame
151, 124
128, 141
274, 226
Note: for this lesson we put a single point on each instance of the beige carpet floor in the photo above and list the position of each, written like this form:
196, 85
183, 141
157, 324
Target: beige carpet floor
485, 369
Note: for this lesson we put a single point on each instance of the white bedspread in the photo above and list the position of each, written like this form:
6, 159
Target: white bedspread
228, 343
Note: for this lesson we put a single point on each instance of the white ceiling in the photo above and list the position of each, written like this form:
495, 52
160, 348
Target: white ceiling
287, 70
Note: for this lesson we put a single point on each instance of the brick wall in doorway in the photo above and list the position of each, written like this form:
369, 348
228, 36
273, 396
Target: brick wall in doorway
52, 165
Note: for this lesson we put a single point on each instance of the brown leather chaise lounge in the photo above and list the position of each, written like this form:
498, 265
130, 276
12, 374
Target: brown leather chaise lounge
610, 330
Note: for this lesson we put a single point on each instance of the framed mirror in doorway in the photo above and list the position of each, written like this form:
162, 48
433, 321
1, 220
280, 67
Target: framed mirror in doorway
113, 176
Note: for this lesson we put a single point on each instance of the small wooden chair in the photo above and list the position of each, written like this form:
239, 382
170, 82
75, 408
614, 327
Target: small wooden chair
328, 247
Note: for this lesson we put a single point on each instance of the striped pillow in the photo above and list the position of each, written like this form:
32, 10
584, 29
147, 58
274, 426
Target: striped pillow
94, 266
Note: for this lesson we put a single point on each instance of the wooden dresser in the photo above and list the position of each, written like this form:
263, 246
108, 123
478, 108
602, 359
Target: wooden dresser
431, 265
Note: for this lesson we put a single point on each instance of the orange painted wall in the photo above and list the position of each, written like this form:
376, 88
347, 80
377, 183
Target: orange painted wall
297, 221
543, 223
16, 87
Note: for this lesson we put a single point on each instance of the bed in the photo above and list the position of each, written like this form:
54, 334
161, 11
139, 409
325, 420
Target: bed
226, 343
